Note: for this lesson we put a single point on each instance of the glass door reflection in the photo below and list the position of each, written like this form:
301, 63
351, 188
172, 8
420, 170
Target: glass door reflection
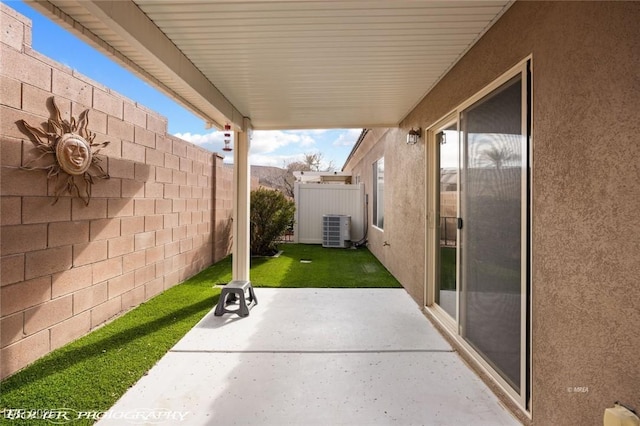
446, 278
492, 202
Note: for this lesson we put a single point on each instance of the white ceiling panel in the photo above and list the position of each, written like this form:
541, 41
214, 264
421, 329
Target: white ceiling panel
286, 64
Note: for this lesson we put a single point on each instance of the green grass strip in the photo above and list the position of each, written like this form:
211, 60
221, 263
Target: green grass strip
327, 267
93, 372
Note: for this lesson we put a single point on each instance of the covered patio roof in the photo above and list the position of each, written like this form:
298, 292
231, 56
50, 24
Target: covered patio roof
282, 64
285, 64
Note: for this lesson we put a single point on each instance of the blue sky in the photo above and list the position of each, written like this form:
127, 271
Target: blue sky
270, 148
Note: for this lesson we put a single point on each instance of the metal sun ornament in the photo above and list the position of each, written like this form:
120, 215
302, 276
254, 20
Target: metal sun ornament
72, 153
227, 138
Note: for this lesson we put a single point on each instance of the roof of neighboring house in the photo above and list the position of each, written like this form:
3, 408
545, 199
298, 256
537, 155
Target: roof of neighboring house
322, 177
355, 146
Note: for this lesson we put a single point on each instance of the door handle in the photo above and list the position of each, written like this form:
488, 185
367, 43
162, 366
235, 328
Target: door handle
459, 223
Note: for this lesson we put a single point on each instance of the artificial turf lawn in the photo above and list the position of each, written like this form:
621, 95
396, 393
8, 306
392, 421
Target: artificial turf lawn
328, 267
91, 373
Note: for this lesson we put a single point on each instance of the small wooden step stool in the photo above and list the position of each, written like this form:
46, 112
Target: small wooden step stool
239, 290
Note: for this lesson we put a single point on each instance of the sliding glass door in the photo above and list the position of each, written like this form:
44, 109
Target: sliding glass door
492, 203
479, 239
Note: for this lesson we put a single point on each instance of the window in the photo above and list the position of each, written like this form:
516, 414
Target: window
378, 193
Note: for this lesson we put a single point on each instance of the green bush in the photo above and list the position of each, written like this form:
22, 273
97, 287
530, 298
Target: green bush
271, 215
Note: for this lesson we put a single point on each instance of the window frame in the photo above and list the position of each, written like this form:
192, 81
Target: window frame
378, 194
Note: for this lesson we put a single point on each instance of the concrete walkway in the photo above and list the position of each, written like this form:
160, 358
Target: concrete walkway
313, 357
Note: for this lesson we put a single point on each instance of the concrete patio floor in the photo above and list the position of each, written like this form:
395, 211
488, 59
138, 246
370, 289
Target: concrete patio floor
313, 357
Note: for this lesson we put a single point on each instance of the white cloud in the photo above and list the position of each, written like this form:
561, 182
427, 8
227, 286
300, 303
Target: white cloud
272, 160
306, 140
280, 147
266, 141
216, 138
262, 141
348, 138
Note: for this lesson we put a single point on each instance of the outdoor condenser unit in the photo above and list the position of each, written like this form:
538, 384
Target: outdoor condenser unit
336, 230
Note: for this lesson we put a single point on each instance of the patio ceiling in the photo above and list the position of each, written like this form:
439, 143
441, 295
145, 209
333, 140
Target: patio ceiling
285, 64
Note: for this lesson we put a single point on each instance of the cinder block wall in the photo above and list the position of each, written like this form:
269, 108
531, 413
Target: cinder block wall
222, 210
66, 268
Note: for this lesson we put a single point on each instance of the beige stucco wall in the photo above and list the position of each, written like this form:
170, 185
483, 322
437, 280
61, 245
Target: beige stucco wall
66, 268
404, 229
586, 174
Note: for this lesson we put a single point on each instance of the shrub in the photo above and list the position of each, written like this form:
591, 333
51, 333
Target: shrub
271, 215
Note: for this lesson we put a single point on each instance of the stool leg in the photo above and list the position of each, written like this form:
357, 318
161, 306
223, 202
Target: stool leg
252, 296
243, 310
221, 302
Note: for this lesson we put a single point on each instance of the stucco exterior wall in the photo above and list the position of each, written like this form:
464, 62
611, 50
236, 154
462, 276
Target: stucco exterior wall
66, 268
586, 169
404, 226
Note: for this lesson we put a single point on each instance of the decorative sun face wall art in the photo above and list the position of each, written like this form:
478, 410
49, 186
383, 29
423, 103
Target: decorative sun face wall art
67, 153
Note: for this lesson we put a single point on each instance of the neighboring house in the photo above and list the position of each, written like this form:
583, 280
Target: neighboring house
541, 119
338, 178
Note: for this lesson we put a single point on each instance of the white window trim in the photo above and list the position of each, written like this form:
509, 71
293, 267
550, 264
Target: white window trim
374, 206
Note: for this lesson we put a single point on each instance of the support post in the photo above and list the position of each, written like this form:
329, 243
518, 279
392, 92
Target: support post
241, 197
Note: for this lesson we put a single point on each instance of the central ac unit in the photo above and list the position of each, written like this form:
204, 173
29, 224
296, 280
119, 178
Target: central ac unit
336, 230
